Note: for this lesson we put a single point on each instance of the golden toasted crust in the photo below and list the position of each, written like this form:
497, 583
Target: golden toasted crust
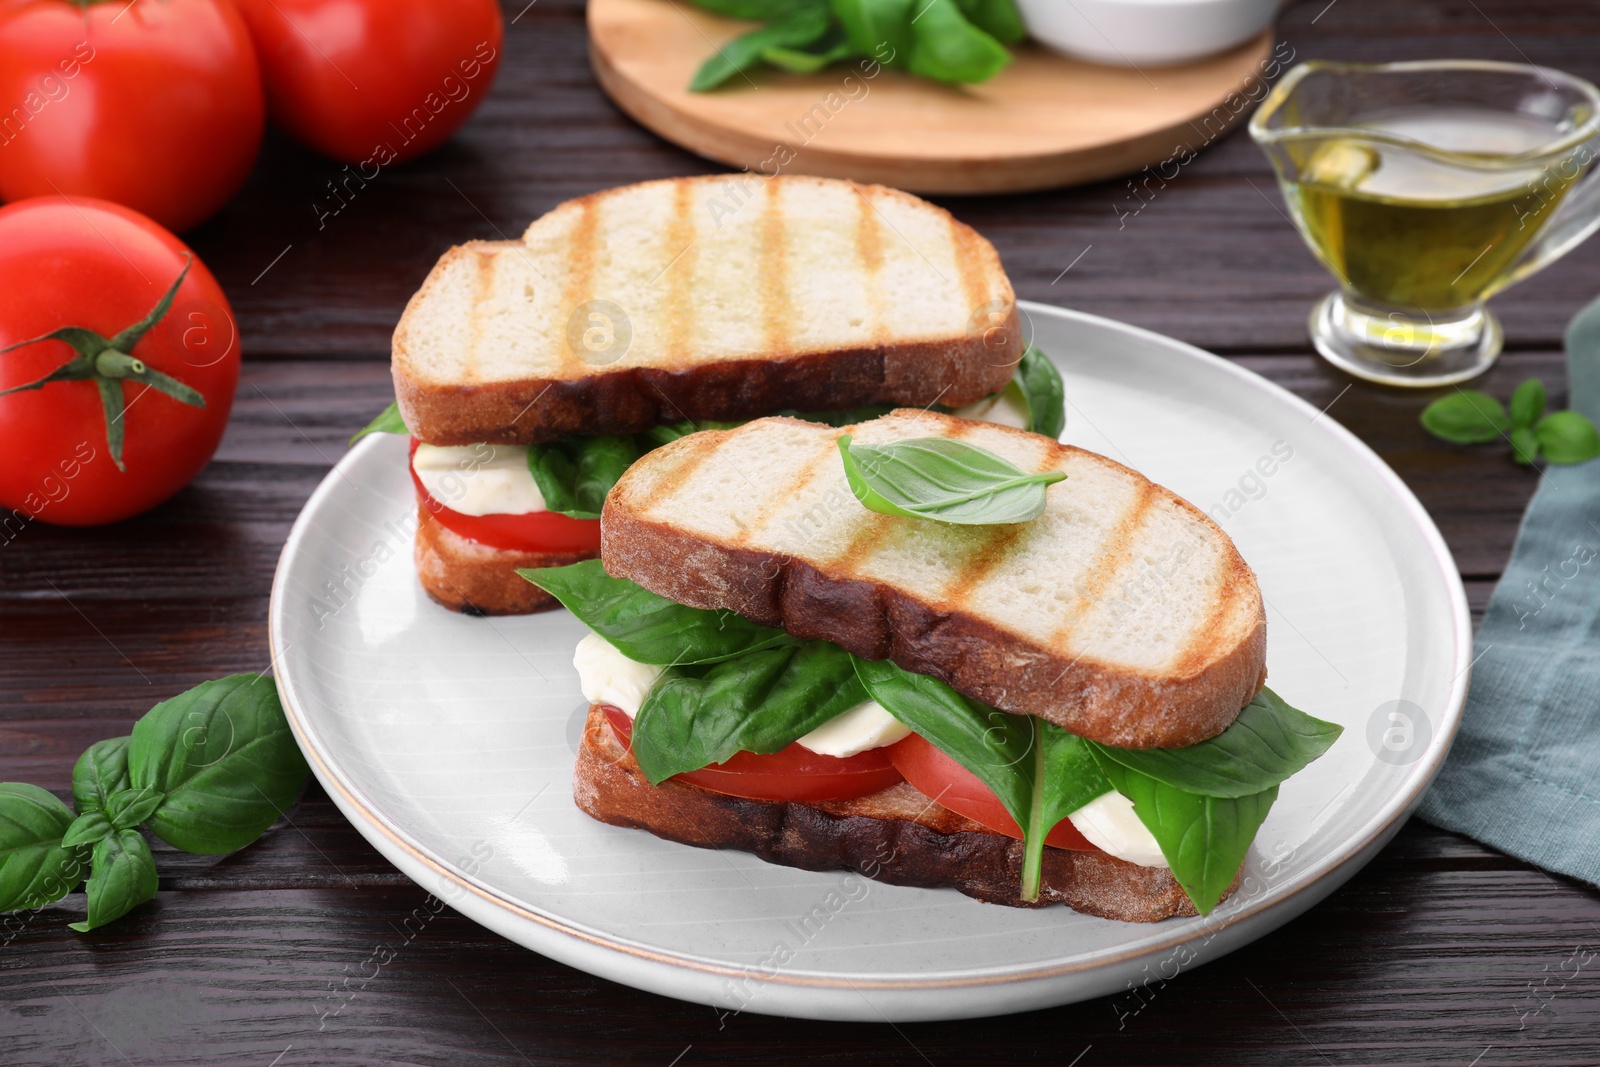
678, 384
897, 836
464, 575
1197, 697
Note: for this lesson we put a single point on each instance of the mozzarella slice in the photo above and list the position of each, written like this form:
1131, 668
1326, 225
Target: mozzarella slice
1005, 408
606, 676
863, 727
479, 479
1109, 823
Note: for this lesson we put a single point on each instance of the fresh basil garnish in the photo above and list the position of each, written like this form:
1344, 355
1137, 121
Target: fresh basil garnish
1267, 743
100, 772
1467, 417
388, 421
225, 760
121, 877
1038, 771
1040, 384
795, 28
944, 480
646, 627
947, 48
1203, 838
35, 867
575, 473
758, 702
998, 18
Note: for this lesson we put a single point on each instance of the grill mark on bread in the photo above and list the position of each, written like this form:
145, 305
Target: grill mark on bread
580, 279
806, 475
680, 275
482, 289
964, 243
869, 246
989, 555
1202, 646
774, 270
1115, 549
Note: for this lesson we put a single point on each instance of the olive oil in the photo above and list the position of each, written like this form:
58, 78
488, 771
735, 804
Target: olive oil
1405, 229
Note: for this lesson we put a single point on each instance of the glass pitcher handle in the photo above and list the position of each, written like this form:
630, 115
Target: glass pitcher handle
1576, 218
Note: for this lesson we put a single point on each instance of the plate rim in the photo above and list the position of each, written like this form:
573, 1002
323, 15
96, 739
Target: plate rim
1372, 834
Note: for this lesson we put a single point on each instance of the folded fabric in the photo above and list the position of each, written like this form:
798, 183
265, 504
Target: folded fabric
1524, 775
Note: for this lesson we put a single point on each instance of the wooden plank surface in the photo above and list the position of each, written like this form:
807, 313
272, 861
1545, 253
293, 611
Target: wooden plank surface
1440, 952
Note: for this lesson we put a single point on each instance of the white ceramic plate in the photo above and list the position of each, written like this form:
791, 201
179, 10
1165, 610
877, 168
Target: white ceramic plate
448, 741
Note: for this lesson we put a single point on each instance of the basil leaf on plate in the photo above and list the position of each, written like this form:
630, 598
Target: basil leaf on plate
388, 421
1567, 437
944, 480
871, 25
223, 755
758, 702
1040, 383
794, 28
101, 771
123, 876
1267, 743
796, 61
646, 627
1203, 838
1466, 417
35, 868
948, 48
575, 473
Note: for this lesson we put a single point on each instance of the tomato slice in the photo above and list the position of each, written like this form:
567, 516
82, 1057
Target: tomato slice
942, 779
535, 531
794, 773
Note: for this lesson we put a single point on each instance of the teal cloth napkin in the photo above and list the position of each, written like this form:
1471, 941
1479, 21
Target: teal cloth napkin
1524, 775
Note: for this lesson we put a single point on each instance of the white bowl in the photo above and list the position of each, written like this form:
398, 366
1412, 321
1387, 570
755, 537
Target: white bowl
1132, 33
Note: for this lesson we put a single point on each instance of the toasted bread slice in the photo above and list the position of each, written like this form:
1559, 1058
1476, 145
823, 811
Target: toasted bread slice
480, 579
897, 836
724, 297
1122, 614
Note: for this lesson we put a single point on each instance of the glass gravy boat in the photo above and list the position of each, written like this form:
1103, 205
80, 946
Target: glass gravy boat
1426, 188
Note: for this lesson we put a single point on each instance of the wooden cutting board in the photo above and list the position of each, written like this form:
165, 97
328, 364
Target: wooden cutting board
1045, 121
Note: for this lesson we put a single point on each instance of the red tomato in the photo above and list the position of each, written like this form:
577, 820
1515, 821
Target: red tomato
374, 82
537, 531
795, 773
155, 105
941, 778
102, 267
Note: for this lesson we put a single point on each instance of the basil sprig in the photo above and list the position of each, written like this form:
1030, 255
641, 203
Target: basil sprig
1469, 417
207, 771
760, 701
387, 421
945, 480
1037, 770
646, 627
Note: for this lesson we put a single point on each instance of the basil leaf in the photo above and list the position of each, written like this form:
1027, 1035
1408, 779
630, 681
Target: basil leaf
1524, 445
998, 18
1267, 743
944, 480
388, 421
1567, 437
792, 29
1041, 386
646, 627
575, 474
1204, 839
131, 807
35, 868
86, 829
873, 25
1466, 417
226, 760
798, 62
1066, 776
759, 702
948, 48
101, 771
123, 877
1527, 403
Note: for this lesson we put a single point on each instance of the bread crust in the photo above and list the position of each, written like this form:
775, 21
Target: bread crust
951, 370
466, 576
897, 836
875, 620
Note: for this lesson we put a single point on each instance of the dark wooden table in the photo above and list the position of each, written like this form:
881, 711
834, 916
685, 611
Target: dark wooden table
1441, 951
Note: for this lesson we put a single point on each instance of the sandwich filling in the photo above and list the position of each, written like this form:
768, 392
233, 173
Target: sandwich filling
710, 698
